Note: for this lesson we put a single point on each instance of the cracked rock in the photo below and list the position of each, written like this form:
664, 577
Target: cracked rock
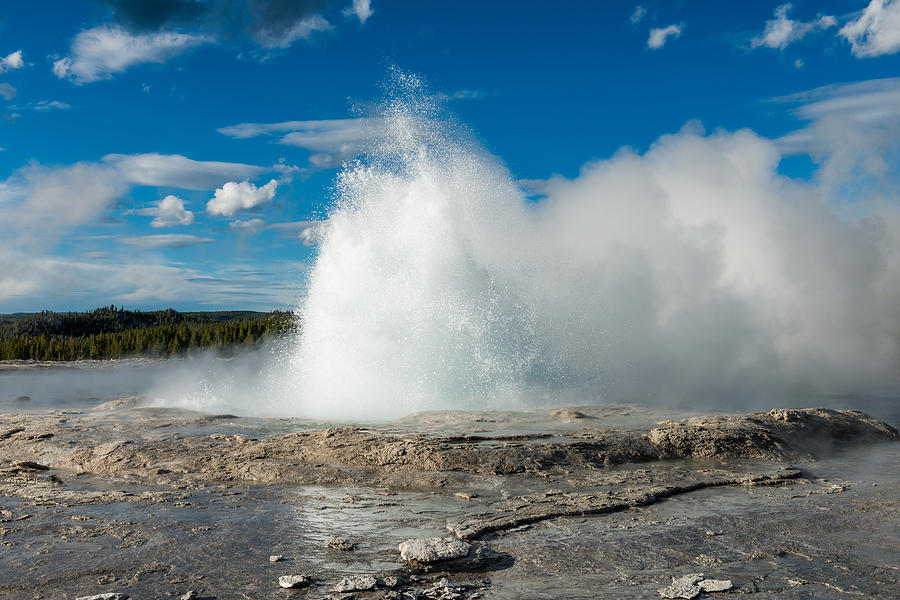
427, 550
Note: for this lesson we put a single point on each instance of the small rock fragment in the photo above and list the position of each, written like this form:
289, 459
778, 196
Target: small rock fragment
339, 543
356, 583
715, 585
293, 581
465, 495
109, 596
683, 587
189, 595
389, 582
276, 558
429, 550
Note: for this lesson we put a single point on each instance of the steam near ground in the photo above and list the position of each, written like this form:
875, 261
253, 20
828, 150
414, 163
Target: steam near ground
693, 274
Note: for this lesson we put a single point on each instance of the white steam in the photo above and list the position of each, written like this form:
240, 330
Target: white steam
693, 273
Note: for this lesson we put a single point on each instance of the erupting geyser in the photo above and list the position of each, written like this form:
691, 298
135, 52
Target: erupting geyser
694, 272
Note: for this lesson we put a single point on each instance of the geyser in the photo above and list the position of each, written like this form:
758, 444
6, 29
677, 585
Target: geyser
694, 273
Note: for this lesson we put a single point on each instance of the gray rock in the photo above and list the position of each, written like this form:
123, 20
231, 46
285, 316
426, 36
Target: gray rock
190, 595
276, 558
427, 550
356, 583
715, 585
107, 596
293, 581
339, 543
690, 586
683, 587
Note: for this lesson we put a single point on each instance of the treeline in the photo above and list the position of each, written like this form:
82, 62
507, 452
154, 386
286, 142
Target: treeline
111, 332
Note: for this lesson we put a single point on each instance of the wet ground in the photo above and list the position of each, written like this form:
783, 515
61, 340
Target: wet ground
587, 502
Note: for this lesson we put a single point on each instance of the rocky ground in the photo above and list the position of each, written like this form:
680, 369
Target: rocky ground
576, 503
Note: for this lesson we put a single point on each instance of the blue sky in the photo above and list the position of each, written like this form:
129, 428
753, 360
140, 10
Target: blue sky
172, 152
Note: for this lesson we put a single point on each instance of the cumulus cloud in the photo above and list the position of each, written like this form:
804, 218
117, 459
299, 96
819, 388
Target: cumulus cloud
169, 212
151, 15
308, 232
234, 197
782, 31
12, 61
877, 30
165, 241
7, 91
175, 170
660, 35
361, 9
104, 51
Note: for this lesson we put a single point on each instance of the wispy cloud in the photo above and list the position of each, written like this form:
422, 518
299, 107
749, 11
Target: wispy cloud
332, 140
175, 170
7, 91
876, 31
638, 14
247, 227
165, 241
104, 51
45, 105
659, 36
782, 31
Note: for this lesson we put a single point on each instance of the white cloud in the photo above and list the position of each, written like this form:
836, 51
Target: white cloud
877, 30
45, 105
169, 212
362, 9
234, 197
659, 36
174, 170
7, 91
165, 241
104, 51
331, 140
638, 15
869, 100
12, 61
285, 37
248, 227
781, 31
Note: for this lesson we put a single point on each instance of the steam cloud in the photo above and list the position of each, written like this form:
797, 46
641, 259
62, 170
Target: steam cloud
694, 273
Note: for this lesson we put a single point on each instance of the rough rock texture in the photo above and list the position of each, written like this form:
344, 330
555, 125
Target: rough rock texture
779, 433
339, 543
293, 581
532, 508
690, 586
428, 550
356, 583
109, 596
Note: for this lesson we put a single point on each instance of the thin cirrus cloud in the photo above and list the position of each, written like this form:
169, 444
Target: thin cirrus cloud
107, 50
851, 128
660, 35
165, 241
782, 31
7, 91
175, 170
876, 32
332, 141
